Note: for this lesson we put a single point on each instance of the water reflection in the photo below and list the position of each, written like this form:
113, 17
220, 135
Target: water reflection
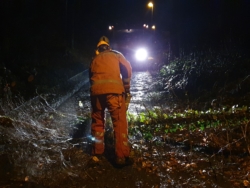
46, 142
141, 85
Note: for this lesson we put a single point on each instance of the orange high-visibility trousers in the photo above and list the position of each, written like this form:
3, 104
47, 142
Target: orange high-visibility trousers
115, 103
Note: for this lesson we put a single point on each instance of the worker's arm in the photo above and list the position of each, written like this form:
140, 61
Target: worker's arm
126, 72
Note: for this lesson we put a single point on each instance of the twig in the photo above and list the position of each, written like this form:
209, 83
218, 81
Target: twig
215, 176
89, 175
227, 146
46, 102
244, 132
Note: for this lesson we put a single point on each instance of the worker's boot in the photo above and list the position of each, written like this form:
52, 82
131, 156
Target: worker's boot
125, 161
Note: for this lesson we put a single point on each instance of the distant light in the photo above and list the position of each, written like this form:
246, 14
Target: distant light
141, 54
150, 4
129, 30
145, 26
111, 27
153, 27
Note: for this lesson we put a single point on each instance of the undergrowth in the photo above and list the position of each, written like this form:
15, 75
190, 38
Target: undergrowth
206, 97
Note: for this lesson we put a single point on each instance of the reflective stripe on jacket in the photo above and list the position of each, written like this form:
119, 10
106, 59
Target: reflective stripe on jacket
108, 71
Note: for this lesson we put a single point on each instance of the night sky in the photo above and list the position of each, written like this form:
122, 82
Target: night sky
28, 26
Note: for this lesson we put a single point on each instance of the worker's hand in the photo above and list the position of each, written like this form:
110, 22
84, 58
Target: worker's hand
127, 88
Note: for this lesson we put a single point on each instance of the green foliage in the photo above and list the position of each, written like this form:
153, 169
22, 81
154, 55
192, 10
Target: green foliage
83, 118
205, 74
207, 84
157, 122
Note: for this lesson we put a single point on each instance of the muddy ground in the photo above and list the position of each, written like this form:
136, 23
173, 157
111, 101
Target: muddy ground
48, 147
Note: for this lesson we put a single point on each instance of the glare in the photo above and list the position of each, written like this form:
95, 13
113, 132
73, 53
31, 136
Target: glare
150, 4
111, 27
141, 54
80, 104
153, 27
129, 30
145, 26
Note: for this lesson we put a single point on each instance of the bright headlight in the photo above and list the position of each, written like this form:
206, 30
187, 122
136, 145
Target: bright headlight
141, 54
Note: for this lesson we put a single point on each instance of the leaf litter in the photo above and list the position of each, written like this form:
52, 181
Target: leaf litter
40, 147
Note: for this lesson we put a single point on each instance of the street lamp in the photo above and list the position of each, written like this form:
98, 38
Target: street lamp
151, 5
111, 28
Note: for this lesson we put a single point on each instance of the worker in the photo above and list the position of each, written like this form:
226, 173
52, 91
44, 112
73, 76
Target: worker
110, 75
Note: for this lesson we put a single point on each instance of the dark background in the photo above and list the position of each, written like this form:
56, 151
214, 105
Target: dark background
33, 27
61, 34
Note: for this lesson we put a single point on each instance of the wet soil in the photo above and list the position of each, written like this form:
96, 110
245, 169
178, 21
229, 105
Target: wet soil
51, 148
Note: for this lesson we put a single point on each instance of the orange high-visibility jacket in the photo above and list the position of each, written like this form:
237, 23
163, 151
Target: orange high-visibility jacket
109, 72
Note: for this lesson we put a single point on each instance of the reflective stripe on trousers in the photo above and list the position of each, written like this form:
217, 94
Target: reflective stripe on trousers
115, 103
